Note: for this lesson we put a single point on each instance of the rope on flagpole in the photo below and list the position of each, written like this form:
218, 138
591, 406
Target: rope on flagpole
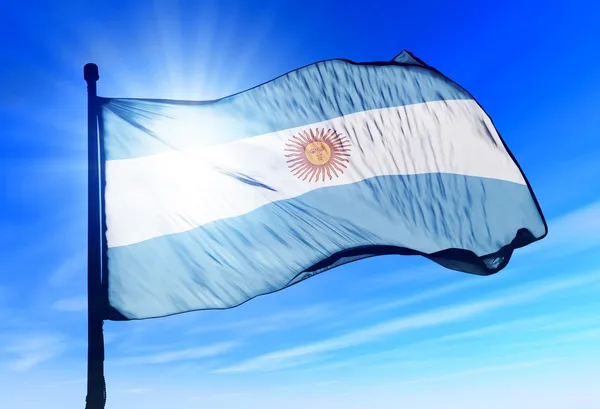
96, 387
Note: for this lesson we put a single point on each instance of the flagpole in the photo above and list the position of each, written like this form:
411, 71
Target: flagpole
96, 392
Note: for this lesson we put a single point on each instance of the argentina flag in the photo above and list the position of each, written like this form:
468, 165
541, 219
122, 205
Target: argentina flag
209, 204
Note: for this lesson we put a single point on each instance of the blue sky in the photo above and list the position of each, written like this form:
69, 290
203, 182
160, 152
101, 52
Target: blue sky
385, 332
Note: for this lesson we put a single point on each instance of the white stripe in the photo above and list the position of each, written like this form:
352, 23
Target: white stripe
179, 191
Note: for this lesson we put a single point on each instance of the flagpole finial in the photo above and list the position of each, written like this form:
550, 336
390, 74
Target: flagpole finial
90, 72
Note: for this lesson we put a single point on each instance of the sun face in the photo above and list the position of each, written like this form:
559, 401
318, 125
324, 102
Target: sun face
313, 155
317, 153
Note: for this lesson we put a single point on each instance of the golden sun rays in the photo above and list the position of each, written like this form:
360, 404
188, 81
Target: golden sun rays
316, 154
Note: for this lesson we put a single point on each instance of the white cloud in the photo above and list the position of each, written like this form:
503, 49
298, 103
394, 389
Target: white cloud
552, 342
137, 390
73, 267
56, 384
490, 329
391, 356
73, 304
209, 396
568, 321
180, 355
275, 360
428, 294
27, 352
571, 233
581, 335
485, 369
309, 386
402, 276
275, 322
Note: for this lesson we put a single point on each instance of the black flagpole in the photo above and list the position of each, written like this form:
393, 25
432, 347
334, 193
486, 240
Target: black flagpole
96, 393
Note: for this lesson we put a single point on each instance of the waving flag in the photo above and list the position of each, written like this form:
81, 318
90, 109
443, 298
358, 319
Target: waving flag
209, 204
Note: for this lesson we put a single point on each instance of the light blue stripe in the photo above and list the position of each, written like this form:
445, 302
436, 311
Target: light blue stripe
226, 262
315, 93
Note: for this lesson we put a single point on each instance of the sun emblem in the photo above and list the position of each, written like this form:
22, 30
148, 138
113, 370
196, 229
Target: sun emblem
315, 154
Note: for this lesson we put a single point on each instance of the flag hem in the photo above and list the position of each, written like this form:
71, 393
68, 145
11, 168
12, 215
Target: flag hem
451, 258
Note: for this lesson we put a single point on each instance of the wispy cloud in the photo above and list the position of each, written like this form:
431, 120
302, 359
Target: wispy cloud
72, 267
580, 336
427, 295
574, 232
569, 322
137, 390
210, 396
552, 342
274, 322
73, 304
309, 386
180, 355
61, 383
26, 352
274, 360
390, 364
485, 369
404, 276
490, 329
391, 356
